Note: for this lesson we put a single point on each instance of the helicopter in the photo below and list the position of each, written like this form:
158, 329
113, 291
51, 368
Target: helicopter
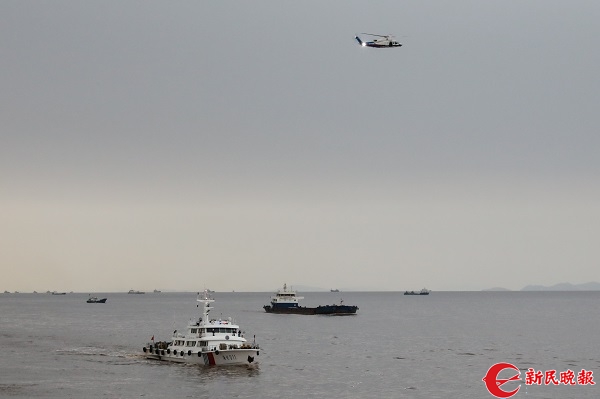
388, 41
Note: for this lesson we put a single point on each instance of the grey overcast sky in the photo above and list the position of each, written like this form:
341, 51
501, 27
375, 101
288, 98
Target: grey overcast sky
238, 145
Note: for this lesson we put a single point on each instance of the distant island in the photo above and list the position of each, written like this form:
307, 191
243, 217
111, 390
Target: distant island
592, 286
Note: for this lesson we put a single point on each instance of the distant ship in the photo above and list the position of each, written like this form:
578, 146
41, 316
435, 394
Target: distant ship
135, 292
59, 293
334, 290
424, 291
285, 301
156, 291
93, 299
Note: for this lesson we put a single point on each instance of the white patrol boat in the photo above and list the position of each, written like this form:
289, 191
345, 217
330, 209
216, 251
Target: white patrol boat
206, 342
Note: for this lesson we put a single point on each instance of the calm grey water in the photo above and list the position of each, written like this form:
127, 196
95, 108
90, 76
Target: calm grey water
436, 346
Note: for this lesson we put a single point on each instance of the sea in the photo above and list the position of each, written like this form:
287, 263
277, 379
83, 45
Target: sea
437, 346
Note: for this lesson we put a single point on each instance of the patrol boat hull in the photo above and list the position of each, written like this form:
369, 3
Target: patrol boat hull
227, 357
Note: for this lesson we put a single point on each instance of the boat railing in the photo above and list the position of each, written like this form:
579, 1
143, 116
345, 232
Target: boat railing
223, 346
208, 348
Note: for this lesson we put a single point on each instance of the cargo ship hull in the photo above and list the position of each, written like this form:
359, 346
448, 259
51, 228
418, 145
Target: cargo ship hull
325, 310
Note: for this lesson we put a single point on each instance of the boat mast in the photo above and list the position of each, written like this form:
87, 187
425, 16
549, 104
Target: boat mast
206, 301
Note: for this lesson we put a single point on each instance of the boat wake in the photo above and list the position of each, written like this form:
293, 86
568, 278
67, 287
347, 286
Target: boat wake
91, 351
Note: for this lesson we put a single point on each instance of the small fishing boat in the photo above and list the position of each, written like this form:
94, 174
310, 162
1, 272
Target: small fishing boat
93, 299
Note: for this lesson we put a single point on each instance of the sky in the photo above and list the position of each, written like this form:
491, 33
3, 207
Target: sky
240, 145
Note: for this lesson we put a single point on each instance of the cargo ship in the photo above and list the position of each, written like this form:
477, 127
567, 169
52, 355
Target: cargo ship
285, 301
424, 291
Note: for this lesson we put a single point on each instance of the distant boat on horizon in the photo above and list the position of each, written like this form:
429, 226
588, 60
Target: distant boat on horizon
135, 292
58, 293
334, 290
424, 291
156, 291
93, 299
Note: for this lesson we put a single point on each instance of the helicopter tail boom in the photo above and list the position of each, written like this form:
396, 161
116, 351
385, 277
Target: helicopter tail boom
359, 41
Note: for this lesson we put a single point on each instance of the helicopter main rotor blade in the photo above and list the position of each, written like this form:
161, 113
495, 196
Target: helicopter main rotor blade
372, 34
